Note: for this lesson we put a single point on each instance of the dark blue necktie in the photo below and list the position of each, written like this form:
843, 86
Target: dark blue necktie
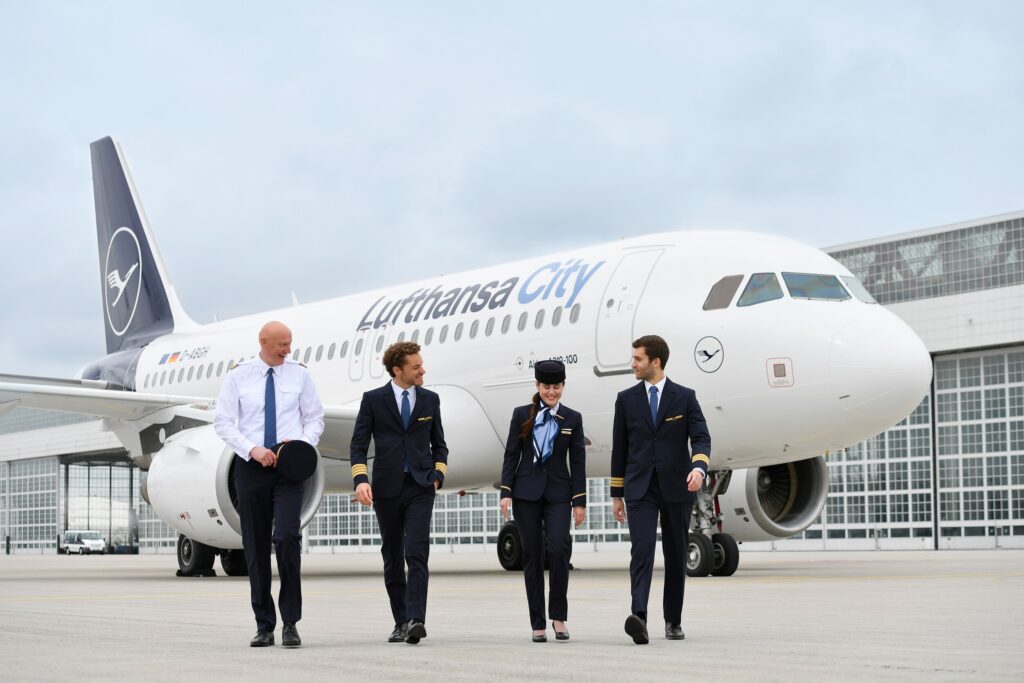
654, 406
269, 412
406, 410
406, 414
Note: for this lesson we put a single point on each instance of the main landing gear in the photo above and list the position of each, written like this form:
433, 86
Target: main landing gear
709, 551
196, 559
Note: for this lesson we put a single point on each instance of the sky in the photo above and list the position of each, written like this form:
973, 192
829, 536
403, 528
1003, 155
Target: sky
325, 148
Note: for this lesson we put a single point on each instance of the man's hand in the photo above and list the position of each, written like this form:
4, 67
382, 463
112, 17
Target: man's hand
263, 456
506, 507
579, 513
437, 484
619, 510
364, 495
694, 480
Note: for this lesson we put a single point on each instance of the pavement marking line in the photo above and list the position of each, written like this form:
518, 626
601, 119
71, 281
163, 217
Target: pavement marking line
601, 585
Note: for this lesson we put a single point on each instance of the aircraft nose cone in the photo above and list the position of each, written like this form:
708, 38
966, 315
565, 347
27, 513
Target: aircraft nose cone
880, 369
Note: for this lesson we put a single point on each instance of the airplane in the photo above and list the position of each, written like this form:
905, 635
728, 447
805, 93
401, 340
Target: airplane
790, 357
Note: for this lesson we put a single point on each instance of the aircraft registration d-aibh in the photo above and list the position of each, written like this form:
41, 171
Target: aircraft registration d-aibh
789, 356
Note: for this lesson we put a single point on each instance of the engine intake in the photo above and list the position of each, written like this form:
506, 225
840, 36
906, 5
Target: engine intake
190, 487
774, 502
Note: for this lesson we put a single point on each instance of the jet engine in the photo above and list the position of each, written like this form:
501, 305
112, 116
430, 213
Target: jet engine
774, 502
191, 488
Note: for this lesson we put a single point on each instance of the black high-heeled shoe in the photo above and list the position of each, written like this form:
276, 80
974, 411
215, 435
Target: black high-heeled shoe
542, 638
562, 635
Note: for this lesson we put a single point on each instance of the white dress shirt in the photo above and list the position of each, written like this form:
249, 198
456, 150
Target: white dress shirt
239, 418
398, 396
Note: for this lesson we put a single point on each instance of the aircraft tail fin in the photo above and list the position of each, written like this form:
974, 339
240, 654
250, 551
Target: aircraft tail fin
139, 303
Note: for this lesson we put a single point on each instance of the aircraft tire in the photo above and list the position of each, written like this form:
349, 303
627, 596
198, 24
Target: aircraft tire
726, 555
233, 562
194, 558
700, 555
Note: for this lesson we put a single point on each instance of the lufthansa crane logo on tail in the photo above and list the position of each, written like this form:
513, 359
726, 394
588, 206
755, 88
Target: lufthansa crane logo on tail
709, 354
123, 279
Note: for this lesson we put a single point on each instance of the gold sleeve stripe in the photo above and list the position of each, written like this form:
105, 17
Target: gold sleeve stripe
359, 469
702, 458
578, 495
618, 481
441, 467
506, 488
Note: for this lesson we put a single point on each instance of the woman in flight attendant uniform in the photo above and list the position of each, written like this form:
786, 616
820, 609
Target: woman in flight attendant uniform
544, 477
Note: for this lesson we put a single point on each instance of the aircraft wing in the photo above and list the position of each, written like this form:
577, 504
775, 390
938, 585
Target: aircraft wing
88, 397
91, 397
339, 421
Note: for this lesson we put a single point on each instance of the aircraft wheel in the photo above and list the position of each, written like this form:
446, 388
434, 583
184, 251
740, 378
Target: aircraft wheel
726, 555
194, 558
510, 547
233, 562
700, 555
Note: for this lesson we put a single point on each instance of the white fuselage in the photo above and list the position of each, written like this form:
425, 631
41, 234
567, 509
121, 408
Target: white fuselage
853, 368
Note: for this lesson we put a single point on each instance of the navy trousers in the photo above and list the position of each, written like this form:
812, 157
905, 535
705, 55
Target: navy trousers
405, 540
532, 516
269, 503
642, 518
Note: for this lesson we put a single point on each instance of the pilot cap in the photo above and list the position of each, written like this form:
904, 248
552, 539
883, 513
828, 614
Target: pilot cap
549, 371
296, 460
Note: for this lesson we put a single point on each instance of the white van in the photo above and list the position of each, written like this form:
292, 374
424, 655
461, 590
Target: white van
84, 542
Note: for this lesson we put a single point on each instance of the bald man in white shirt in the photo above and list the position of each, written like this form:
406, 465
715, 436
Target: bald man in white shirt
264, 402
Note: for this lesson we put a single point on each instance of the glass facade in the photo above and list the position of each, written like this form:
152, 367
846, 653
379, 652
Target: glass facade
970, 259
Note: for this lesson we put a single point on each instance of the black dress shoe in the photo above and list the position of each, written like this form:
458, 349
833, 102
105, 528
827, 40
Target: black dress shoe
541, 638
416, 632
262, 639
562, 635
399, 634
674, 632
290, 636
637, 629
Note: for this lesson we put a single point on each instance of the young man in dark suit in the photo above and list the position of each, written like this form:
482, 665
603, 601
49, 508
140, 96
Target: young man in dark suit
656, 423
410, 462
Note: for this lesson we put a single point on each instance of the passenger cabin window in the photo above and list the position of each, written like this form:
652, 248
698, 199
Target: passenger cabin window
538, 322
556, 316
319, 352
857, 289
330, 351
344, 350
428, 337
442, 335
523, 317
295, 356
401, 336
762, 287
190, 372
506, 323
490, 327
458, 332
574, 313
474, 328
810, 286
305, 358
722, 292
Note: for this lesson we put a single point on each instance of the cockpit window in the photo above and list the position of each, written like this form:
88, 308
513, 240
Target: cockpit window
722, 293
762, 287
809, 286
858, 289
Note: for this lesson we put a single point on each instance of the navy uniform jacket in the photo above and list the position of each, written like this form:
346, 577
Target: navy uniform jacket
563, 478
639, 447
422, 446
